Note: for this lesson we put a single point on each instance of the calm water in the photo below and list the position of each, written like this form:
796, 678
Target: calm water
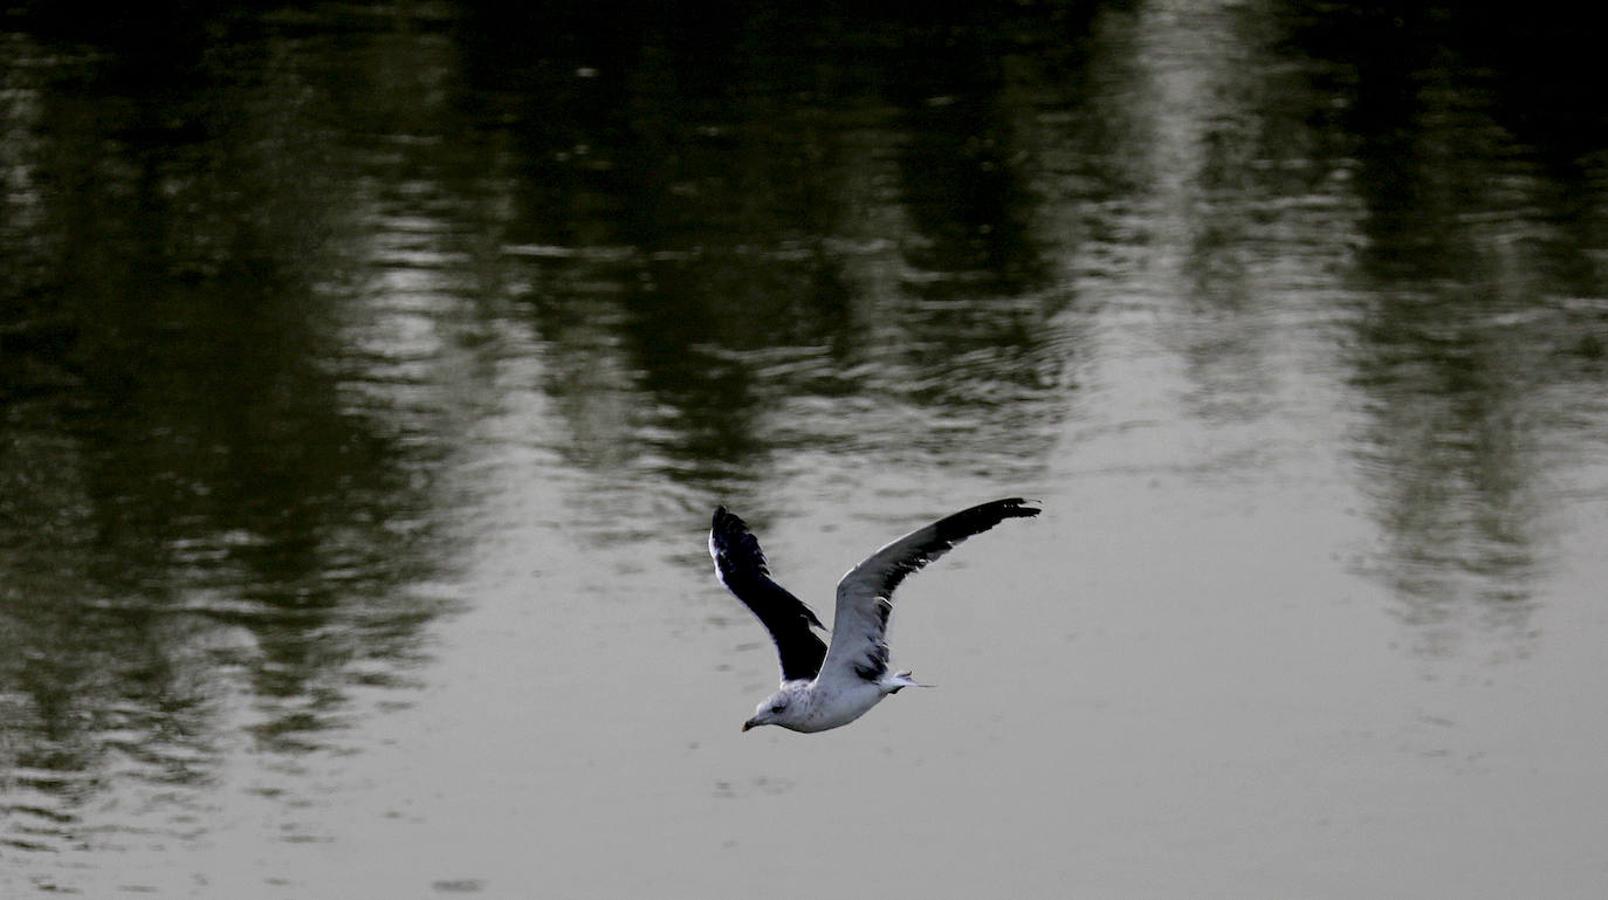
367, 375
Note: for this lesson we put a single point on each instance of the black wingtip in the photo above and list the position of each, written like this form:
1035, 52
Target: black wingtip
1015, 507
736, 549
730, 525
976, 519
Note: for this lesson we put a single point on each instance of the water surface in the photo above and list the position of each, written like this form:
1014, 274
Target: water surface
367, 376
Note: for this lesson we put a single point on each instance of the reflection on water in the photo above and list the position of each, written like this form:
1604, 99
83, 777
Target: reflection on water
224, 420
1470, 341
286, 292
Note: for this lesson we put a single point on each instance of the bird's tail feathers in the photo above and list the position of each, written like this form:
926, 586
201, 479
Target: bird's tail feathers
898, 681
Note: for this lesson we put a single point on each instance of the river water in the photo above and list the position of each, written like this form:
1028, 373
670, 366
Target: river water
368, 375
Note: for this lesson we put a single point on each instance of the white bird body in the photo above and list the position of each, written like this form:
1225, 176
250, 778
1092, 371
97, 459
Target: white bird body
818, 706
827, 687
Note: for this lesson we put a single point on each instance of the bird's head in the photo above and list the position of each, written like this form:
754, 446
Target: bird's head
779, 708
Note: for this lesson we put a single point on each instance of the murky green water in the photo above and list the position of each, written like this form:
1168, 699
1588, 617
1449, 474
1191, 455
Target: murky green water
367, 375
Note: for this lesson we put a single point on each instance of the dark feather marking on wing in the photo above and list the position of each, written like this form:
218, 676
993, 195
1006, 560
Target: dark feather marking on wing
884, 610
742, 568
875, 664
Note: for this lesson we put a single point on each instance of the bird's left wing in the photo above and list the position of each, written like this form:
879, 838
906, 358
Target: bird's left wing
865, 595
740, 566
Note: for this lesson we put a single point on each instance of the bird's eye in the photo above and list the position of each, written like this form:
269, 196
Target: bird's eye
779, 708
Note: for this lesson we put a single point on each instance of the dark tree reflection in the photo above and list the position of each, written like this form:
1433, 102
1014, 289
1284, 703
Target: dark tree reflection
1473, 253
780, 209
196, 502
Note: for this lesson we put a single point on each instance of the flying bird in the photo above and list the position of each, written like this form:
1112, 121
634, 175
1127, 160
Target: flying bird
828, 686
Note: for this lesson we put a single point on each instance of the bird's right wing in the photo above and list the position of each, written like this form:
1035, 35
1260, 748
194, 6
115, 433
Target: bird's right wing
740, 566
865, 595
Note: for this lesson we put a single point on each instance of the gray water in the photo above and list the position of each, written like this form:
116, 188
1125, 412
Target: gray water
368, 374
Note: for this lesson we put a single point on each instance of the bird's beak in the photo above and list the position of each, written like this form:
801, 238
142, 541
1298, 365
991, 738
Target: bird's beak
749, 724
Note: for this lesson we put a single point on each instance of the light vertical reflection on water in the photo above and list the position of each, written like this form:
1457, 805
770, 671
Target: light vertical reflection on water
297, 303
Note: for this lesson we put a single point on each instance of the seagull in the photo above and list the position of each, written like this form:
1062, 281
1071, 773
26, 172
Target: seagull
825, 687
